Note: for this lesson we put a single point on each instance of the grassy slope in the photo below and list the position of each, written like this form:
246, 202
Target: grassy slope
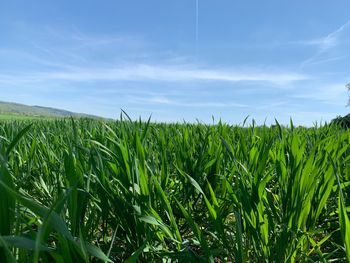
10, 110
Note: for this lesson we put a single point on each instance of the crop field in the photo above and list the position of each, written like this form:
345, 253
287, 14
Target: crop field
18, 117
122, 191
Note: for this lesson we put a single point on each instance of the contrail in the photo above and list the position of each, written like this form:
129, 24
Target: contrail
197, 26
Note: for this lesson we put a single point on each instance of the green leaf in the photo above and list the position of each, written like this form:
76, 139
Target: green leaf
23, 242
17, 138
134, 257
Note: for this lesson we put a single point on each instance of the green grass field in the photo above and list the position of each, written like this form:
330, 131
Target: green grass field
17, 117
91, 191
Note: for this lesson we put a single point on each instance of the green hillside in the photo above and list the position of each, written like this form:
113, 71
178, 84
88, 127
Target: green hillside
21, 110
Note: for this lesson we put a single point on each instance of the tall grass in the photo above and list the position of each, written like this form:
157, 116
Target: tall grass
123, 191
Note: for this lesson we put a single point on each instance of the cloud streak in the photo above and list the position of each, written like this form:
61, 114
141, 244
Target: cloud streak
75, 70
159, 73
171, 102
325, 44
330, 94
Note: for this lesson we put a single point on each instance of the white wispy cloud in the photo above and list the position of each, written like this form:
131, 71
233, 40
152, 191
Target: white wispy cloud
74, 56
191, 104
333, 93
326, 43
331, 40
144, 72
77, 70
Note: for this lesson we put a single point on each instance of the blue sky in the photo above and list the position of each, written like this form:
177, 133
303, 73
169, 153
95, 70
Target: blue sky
266, 59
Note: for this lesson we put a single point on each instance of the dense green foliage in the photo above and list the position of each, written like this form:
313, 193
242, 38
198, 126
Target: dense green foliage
342, 121
82, 191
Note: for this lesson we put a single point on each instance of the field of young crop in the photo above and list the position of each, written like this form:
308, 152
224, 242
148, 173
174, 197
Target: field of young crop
93, 191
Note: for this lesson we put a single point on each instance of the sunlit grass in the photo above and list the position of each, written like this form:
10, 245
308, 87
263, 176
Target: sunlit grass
85, 190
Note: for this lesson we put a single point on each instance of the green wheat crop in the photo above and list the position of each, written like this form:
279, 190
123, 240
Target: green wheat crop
92, 191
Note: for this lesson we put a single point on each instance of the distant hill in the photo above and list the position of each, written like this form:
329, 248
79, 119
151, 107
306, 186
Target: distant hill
21, 109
